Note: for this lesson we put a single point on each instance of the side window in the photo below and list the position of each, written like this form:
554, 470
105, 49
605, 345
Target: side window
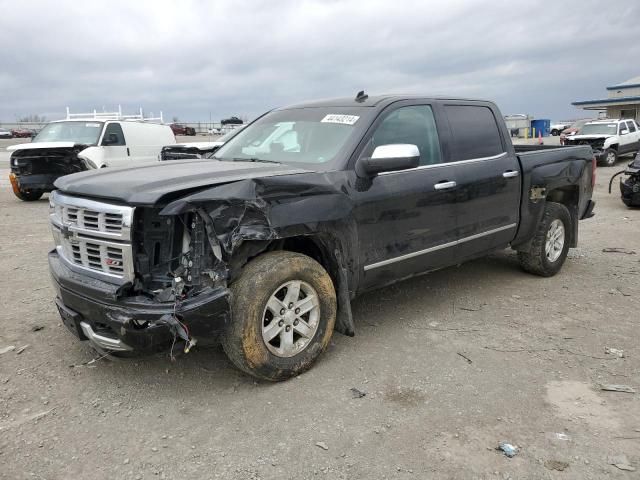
118, 139
631, 126
475, 132
414, 125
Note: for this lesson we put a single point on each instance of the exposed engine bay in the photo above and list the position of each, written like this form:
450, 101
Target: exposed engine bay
47, 163
595, 143
186, 152
173, 257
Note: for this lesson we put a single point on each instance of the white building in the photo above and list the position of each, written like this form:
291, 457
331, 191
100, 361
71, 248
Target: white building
623, 101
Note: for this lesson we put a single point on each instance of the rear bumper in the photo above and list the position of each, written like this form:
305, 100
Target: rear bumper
92, 310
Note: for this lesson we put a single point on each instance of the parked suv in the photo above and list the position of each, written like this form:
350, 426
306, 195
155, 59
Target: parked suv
179, 129
22, 133
608, 139
573, 129
231, 121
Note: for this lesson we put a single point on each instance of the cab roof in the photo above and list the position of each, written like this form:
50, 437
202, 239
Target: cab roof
371, 101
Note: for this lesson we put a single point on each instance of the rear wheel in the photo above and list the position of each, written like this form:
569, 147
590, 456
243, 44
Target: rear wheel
283, 309
550, 244
610, 157
555, 133
28, 195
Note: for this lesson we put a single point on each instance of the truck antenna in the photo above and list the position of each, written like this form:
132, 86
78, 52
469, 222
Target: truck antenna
361, 96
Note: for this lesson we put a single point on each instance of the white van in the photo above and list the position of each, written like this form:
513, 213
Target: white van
68, 146
125, 142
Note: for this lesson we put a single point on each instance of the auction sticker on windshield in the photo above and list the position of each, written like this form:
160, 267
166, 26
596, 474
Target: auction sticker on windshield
342, 119
92, 125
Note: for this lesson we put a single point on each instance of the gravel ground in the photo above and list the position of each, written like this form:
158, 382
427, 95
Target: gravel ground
451, 364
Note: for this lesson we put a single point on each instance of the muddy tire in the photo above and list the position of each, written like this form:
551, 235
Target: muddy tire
283, 309
550, 244
610, 157
29, 195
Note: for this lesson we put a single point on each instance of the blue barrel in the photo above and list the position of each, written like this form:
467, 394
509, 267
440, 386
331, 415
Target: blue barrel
541, 125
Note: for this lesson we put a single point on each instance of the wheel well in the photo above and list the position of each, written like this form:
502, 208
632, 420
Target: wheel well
312, 248
613, 147
304, 244
322, 248
569, 197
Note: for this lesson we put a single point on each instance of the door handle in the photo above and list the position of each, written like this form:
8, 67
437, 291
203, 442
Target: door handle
128, 154
444, 185
510, 174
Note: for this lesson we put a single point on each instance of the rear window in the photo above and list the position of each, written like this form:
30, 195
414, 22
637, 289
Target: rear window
475, 132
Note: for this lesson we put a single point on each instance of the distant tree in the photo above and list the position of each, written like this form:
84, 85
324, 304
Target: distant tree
34, 118
175, 119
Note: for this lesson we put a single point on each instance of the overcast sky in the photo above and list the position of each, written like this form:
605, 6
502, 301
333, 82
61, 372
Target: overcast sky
244, 57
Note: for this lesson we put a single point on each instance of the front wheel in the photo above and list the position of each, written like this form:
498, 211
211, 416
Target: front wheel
283, 309
29, 195
610, 157
550, 244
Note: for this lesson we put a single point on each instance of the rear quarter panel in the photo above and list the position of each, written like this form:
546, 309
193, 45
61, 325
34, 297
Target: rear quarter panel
552, 169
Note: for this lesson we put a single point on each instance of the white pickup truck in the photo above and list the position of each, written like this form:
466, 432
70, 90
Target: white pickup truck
608, 139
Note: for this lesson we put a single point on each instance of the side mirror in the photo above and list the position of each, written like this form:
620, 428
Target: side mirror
111, 139
624, 131
389, 158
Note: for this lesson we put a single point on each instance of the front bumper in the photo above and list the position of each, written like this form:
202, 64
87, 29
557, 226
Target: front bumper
40, 181
93, 310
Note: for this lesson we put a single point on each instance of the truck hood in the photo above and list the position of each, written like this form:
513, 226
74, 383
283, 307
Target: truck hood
590, 137
40, 145
147, 184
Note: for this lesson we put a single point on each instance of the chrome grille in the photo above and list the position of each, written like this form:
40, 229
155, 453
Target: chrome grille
93, 237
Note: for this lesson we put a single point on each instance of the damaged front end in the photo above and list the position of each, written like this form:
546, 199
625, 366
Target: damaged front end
39, 168
141, 280
156, 277
596, 144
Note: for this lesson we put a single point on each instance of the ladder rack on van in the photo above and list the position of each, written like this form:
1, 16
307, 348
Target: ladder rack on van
95, 115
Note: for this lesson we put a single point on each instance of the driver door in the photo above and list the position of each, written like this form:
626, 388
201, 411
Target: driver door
114, 146
406, 219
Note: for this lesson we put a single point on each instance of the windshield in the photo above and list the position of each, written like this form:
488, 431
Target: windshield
578, 124
86, 133
599, 129
303, 135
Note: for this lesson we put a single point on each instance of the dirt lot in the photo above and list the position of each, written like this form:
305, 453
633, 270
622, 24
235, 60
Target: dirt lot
451, 363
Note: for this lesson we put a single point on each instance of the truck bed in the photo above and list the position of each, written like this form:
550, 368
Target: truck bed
546, 168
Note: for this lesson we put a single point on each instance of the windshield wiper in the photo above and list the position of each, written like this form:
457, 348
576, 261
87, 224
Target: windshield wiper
252, 159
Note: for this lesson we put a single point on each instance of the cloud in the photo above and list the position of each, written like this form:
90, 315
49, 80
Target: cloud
195, 58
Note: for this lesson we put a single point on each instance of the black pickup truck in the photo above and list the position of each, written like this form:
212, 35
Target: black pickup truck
263, 248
